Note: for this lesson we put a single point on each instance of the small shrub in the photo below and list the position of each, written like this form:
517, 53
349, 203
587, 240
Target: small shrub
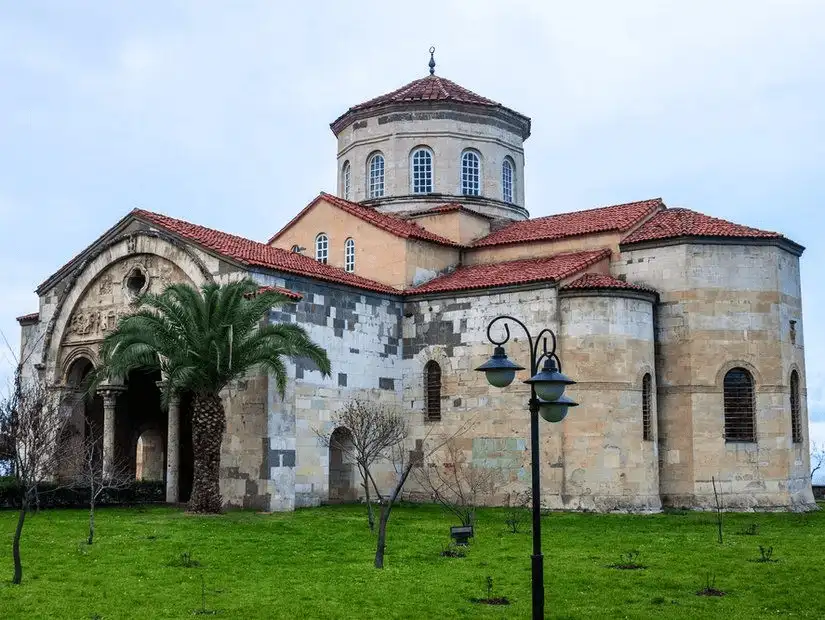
518, 511
751, 530
453, 551
765, 555
710, 587
627, 561
185, 561
490, 599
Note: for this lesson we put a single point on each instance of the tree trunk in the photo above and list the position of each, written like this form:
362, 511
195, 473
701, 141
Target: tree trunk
208, 426
91, 521
370, 512
15, 548
386, 507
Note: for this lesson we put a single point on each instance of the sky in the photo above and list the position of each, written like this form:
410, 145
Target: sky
221, 115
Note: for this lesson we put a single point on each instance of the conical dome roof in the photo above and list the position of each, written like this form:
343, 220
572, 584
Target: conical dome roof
432, 88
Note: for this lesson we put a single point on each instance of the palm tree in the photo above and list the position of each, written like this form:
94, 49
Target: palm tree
200, 341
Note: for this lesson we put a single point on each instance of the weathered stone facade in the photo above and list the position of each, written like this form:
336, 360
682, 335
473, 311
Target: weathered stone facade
648, 328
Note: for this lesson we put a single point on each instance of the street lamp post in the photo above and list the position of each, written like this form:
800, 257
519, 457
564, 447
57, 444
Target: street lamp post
546, 399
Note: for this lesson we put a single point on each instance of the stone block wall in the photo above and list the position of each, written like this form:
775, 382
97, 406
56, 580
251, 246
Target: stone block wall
607, 346
725, 306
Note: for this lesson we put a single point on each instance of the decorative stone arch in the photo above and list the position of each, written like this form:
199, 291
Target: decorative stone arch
76, 355
141, 242
437, 354
644, 369
342, 478
730, 365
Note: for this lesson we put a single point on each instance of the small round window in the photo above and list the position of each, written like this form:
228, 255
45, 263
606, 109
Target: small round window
136, 281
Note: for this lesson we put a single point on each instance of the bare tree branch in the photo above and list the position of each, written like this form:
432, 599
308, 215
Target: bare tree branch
817, 458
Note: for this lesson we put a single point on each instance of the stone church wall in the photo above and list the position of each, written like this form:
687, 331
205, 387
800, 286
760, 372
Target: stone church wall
361, 334
725, 306
607, 347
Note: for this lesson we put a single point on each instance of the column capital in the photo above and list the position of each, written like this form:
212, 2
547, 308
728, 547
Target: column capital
174, 398
110, 391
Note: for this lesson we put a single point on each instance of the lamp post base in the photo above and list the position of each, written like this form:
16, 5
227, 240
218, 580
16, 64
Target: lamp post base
538, 586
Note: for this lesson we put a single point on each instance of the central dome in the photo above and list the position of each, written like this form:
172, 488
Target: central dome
430, 142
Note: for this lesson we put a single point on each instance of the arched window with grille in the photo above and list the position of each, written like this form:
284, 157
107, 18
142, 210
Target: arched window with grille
470, 173
421, 171
346, 180
432, 390
647, 407
322, 248
740, 414
796, 413
375, 182
507, 180
349, 255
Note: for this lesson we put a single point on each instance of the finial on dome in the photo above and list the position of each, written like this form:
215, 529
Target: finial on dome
432, 61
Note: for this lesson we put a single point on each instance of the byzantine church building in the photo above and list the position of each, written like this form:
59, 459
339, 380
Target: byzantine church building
683, 331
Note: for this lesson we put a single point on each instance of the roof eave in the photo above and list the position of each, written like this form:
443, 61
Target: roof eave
781, 242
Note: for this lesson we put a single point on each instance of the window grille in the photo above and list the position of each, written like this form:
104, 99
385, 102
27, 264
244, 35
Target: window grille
432, 391
349, 255
470, 174
740, 417
647, 408
347, 179
376, 179
507, 180
422, 172
321, 248
796, 416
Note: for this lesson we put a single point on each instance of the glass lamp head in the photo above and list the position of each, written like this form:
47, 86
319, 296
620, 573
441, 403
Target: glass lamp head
556, 410
549, 383
499, 370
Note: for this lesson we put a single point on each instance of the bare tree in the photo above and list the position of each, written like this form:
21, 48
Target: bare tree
404, 461
374, 431
817, 458
34, 429
455, 483
87, 472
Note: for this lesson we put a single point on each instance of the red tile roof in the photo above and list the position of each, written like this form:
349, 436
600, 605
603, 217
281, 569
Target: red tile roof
604, 219
601, 281
430, 88
678, 222
550, 269
278, 289
29, 318
257, 254
394, 225
448, 208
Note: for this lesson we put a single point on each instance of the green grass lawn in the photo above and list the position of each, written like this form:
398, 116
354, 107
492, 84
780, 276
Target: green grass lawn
317, 563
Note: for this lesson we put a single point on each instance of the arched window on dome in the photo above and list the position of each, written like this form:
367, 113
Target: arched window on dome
796, 413
349, 255
421, 171
322, 248
375, 179
740, 416
470, 173
507, 180
346, 180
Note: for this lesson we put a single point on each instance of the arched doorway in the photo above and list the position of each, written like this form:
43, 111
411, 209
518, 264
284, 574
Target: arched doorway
85, 410
342, 486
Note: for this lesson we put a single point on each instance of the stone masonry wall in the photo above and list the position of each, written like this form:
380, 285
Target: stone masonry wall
726, 306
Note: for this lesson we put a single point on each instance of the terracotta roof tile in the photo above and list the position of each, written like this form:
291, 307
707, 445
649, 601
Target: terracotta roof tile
257, 254
604, 219
29, 318
600, 281
278, 289
678, 222
394, 225
550, 269
448, 208
429, 88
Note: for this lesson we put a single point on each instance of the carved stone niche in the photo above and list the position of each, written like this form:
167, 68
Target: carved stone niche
136, 282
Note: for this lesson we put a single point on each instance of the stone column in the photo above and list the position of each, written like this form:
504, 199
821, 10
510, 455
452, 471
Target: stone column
173, 450
109, 394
